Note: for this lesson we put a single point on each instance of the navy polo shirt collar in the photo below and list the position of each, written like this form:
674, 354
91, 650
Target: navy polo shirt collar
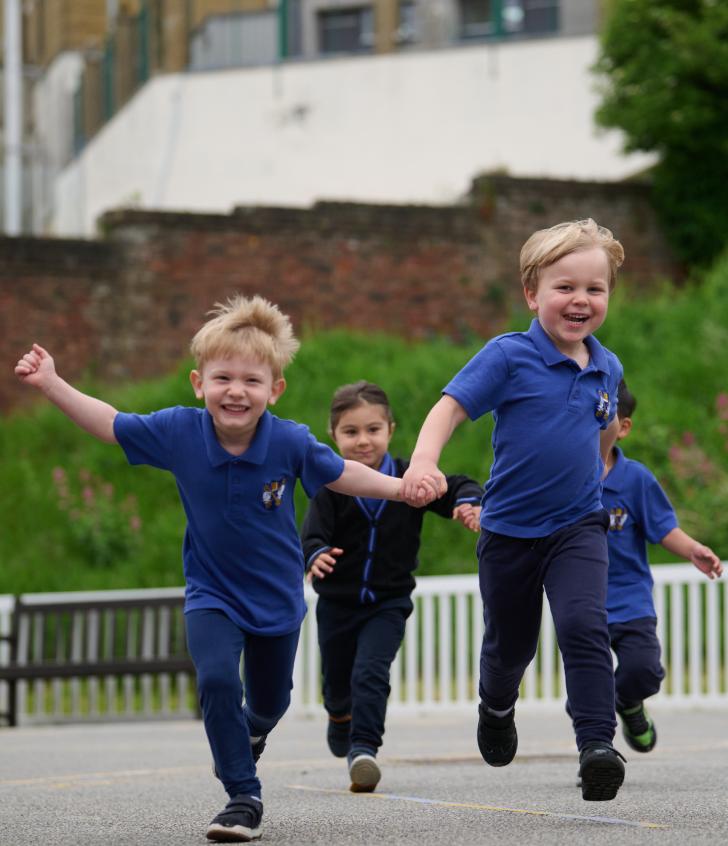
256, 453
613, 481
551, 355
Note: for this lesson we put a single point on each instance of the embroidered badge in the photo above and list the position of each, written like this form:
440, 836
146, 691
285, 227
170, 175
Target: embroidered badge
273, 493
601, 410
617, 519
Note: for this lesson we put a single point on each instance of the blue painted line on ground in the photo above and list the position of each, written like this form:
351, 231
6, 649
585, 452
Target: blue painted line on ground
478, 807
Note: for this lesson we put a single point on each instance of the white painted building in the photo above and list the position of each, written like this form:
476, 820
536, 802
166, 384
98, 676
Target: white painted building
411, 127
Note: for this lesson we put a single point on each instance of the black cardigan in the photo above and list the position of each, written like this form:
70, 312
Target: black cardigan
379, 553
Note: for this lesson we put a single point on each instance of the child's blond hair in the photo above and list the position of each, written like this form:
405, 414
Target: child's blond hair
247, 326
547, 246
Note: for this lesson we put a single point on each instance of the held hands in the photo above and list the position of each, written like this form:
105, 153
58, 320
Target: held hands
36, 368
706, 561
324, 563
422, 483
467, 514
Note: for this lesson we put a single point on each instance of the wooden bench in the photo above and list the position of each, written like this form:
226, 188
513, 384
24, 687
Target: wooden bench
123, 644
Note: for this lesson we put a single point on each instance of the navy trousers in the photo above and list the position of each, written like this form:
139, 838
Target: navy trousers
639, 672
357, 647
571, 566
215, 644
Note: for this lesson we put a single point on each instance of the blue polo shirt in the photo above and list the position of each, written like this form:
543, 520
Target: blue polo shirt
242, 553
639, 511
548, 412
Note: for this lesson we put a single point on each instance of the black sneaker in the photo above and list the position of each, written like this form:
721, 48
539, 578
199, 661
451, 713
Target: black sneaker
638, 729
497, 737
338, 736
601, 771
256, 748
239, 822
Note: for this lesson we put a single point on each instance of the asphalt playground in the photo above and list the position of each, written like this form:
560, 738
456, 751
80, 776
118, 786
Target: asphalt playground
138, 783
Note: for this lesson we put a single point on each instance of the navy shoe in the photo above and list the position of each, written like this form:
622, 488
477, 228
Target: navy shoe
497, 737
238, 822
338, 736
258, 747
601, 771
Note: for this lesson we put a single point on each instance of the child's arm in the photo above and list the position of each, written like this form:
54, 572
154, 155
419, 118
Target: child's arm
324, 563
36, 368
360, 480
680, 543
436, 431
317, 532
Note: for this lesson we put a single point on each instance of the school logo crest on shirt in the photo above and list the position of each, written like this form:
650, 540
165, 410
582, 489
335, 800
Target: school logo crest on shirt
617, 518
273, 493
601, 410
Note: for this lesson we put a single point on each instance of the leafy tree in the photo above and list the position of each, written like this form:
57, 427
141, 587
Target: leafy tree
663, 70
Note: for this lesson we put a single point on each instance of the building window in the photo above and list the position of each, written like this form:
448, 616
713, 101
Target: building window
476, 18
503, 18
407, 30
346, 30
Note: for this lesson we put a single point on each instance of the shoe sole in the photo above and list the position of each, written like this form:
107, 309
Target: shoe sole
232, 834
601, 780
365, 775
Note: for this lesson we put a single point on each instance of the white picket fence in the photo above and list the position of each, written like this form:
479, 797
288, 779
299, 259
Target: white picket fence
437, 666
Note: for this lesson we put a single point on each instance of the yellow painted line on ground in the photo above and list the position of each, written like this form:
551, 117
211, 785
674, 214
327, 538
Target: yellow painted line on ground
72, 779
477, 807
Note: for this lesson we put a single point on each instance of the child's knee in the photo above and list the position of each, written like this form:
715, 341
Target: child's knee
637, 680
216, 680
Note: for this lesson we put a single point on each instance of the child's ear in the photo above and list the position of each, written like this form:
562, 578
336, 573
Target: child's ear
625, 427
530, 298
277, 388
196, 380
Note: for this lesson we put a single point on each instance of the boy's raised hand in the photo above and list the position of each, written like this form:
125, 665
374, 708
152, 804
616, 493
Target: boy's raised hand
467, 514
324, 563
706, 561
36, 367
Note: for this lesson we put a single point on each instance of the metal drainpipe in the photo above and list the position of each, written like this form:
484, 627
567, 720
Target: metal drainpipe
13, 118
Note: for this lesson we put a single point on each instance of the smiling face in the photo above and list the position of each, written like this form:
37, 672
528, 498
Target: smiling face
571, 298
363, 434
236, 390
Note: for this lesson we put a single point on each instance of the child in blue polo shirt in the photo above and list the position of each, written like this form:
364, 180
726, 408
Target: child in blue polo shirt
552, 390
236, 466
639, 511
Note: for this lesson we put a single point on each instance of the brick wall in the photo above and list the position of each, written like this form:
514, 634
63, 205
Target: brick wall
127, 305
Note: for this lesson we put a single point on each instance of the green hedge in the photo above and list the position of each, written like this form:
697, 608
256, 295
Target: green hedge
127, 523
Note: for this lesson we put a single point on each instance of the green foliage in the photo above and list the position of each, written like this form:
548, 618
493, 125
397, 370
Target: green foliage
663, 72
674, 346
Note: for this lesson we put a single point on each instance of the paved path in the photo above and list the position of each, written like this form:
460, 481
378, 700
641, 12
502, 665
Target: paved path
130, 784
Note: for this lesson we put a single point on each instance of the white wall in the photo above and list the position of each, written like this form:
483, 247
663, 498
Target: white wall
52, 106
412, 127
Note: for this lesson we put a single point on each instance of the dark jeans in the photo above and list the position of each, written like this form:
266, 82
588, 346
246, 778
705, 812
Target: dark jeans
357, 647
571, 566
215, 644
639, 672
